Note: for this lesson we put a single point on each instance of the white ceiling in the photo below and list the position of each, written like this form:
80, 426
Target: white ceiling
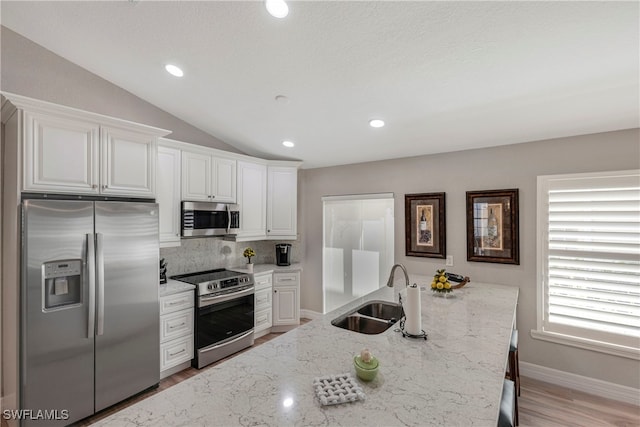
445, 76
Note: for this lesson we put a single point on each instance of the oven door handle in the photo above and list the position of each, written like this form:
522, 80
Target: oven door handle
206, 301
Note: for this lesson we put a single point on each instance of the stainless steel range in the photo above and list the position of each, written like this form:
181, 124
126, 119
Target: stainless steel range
224, 313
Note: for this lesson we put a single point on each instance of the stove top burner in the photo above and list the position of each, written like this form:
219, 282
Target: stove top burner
216, 281
206, 276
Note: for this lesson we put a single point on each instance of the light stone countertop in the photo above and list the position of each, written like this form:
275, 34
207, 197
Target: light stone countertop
270, 268
175, 287
455, 378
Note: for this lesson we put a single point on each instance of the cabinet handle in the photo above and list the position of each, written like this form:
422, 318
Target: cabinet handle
104, 187
177, 326
213, 197
177, 352
275, 290
176, 302
94, 186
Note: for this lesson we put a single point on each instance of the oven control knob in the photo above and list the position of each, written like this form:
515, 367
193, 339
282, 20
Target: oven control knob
210, 286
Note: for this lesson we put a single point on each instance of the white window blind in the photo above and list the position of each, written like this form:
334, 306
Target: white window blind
589, 256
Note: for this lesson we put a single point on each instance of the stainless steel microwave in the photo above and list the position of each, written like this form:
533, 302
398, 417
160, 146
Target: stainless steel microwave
209, 219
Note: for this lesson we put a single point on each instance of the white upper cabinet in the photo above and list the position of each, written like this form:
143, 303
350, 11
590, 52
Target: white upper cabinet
208, 178
60, 155
128, 162
66, 150
282, 202
168, 193
225, 180
252, 198
196, 177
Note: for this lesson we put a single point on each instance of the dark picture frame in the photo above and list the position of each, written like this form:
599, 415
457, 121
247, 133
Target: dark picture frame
493, 226
425, 225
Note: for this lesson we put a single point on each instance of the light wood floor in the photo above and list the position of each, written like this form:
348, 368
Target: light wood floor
541, 404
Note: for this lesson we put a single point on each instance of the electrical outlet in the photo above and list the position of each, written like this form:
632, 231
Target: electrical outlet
449, 262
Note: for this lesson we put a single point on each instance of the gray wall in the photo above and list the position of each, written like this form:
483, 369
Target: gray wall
514, 166
30, 70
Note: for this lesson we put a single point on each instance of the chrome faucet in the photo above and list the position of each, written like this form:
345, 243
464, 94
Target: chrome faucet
393, 269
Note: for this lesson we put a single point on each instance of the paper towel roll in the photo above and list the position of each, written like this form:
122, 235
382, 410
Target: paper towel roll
413, 324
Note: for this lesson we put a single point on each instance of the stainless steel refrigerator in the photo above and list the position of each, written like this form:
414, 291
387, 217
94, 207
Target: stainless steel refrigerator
90, 312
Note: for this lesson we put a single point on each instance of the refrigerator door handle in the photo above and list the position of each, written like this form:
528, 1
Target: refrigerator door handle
100, 267
91, 272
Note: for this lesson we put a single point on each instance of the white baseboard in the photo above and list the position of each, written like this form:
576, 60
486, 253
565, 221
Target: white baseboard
584, 384
310, 314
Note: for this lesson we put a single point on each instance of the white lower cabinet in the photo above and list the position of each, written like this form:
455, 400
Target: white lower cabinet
176, 332
262, 308
286, 301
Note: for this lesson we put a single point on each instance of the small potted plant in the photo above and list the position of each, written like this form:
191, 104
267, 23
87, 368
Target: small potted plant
248, 253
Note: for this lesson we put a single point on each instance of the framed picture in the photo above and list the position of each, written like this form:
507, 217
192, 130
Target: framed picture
425, 226
492, 226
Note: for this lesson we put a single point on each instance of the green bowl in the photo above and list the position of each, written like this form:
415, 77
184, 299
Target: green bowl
363, 373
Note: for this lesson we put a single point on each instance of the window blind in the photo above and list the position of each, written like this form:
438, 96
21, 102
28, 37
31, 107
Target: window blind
592, 257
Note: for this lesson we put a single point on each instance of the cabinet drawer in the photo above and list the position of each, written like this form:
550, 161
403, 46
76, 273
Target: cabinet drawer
176, 302
176, 325
175, 352
286, 279
263, 280
263, 320
263, 299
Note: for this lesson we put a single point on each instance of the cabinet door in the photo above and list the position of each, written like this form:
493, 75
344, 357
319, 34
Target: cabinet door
168, 197
60, 155
286, 305
128, 162
282, 202
252, 198
224, 183
196, 177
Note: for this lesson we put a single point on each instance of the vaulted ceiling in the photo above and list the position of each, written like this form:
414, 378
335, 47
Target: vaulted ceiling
444, 76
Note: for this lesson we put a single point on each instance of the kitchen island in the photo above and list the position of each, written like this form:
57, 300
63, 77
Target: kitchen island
454, 378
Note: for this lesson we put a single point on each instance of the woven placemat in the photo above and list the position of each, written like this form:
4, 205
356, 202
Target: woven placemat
336, 389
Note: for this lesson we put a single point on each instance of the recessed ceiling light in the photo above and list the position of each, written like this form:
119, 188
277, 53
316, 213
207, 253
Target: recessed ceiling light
173, 70
288, 144
277, 8
376, 123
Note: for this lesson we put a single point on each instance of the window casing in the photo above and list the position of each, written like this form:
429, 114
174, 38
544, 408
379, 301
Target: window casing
589, 261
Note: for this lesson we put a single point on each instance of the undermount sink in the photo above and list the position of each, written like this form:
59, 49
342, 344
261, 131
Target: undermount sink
382, 310
373, 317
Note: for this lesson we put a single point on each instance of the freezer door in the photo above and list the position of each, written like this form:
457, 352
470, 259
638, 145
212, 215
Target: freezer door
127, 308
57, 336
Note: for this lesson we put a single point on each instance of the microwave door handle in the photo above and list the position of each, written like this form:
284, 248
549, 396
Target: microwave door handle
228, 219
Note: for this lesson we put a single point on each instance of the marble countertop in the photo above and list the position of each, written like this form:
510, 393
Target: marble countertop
270, 268
175, 287
455, 378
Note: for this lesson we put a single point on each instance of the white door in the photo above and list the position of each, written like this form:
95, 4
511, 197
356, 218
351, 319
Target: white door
168, 197
286, 309
196, 177
224, 185
252, 194
282, 202
61, 155
128, 162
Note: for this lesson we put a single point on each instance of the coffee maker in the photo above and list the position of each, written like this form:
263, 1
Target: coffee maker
283, 254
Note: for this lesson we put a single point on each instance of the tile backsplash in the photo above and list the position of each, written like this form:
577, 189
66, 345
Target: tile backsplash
211, 252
